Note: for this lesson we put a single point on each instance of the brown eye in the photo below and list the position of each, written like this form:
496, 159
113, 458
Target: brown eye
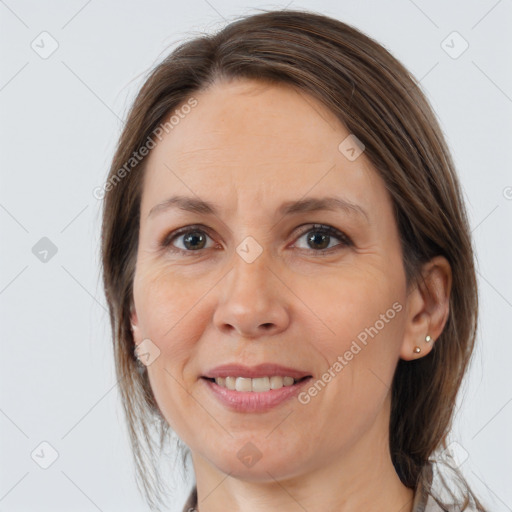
319, 238
190, 239
194, 240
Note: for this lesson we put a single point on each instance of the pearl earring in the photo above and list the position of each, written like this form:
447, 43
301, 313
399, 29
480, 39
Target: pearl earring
417, 349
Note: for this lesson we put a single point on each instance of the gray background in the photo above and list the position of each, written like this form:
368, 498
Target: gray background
60, 119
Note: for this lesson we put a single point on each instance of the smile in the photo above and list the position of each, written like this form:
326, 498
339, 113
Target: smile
260, 398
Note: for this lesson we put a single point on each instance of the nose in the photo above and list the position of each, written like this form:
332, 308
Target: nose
253, 300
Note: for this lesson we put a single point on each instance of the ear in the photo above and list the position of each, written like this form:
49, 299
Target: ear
427, 308
134, 323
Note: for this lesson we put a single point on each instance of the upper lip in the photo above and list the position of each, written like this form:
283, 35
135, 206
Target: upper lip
253, 372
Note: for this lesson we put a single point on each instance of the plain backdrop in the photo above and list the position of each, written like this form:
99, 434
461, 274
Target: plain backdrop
68, 73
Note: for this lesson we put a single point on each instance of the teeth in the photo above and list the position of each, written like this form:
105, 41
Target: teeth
242, 384
259, 385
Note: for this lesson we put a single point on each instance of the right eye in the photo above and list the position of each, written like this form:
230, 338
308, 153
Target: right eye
192, 238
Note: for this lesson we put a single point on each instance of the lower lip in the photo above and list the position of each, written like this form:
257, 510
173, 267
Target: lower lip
252, 401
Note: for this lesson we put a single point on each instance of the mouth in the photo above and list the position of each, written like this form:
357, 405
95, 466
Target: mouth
256, 385
254, 395
254, 389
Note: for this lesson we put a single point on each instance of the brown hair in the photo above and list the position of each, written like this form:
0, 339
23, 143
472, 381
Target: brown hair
382, 105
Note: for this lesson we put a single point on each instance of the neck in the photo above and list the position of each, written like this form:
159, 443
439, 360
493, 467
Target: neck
362, 478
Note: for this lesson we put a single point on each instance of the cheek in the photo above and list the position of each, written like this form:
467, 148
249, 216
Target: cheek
162, 299
351, 301
360, 363
365, 327
168, 315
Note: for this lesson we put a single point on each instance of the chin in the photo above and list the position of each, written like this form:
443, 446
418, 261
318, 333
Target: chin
252, 465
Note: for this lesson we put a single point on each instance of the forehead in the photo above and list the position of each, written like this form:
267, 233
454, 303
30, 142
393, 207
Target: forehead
244, 119
252, 141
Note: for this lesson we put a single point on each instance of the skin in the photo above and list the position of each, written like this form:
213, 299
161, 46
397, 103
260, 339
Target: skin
249, 146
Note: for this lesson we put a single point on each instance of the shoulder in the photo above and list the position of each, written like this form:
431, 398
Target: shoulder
191, 503
440, 489
423, 501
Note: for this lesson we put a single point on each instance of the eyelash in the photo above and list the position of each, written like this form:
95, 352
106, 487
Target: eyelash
166, 242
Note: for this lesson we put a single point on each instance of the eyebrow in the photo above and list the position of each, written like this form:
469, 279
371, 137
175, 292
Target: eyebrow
312, 204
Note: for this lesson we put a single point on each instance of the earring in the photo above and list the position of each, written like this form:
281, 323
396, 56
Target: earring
428, 339
140, 364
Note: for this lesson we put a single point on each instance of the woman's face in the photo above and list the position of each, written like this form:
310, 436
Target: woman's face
249, 285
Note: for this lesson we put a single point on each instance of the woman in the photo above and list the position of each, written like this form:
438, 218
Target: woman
289, 271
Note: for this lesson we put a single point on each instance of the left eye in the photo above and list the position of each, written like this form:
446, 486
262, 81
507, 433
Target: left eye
322, 236
195, 238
